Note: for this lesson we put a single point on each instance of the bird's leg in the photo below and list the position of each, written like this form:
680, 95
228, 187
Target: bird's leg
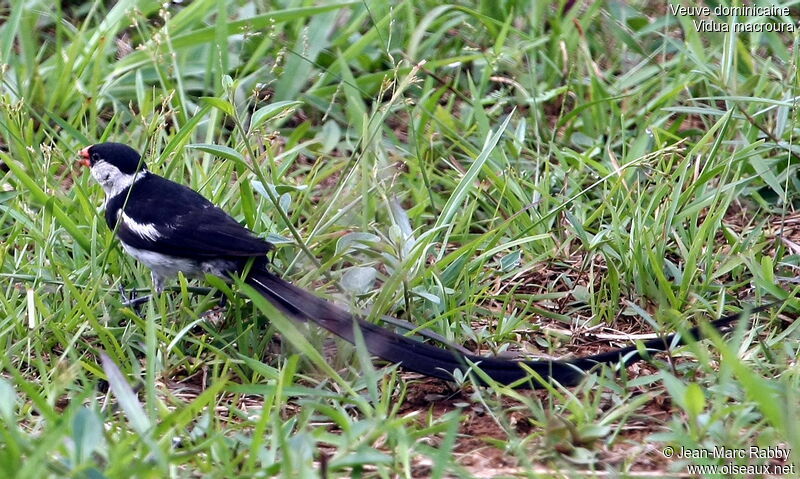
123, 295
158, 282
223, 300
131, 301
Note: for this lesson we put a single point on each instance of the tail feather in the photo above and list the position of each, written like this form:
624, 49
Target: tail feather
442, 363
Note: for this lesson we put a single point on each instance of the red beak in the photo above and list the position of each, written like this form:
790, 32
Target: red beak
84, 154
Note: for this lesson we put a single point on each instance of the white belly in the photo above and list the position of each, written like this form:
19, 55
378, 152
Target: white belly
165, 266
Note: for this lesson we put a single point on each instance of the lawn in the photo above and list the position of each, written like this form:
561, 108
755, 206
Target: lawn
526, 179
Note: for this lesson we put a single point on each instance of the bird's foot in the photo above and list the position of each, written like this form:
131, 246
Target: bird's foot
130, 300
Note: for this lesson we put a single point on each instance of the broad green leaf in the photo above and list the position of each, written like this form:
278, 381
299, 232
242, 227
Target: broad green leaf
359, 279
219, 103
694, 399
270, 111
127, 398
8, 402
87, 434
356, 240
467, 182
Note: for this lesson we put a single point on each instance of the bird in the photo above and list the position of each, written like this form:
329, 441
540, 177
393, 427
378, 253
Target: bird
171, 228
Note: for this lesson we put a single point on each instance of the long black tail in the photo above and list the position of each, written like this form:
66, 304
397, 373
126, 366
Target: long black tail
442, 363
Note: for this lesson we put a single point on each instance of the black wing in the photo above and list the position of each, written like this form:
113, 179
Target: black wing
166, 217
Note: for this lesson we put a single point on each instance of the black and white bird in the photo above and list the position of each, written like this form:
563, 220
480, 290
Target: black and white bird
171, 228
167, 226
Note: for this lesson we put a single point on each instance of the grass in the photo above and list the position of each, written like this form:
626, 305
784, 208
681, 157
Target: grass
516, 177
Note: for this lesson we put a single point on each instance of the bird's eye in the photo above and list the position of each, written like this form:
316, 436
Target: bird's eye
95, 157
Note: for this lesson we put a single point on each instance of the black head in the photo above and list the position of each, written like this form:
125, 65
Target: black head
125, 158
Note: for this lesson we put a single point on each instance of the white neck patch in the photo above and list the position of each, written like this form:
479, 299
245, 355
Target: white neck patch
112, 180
